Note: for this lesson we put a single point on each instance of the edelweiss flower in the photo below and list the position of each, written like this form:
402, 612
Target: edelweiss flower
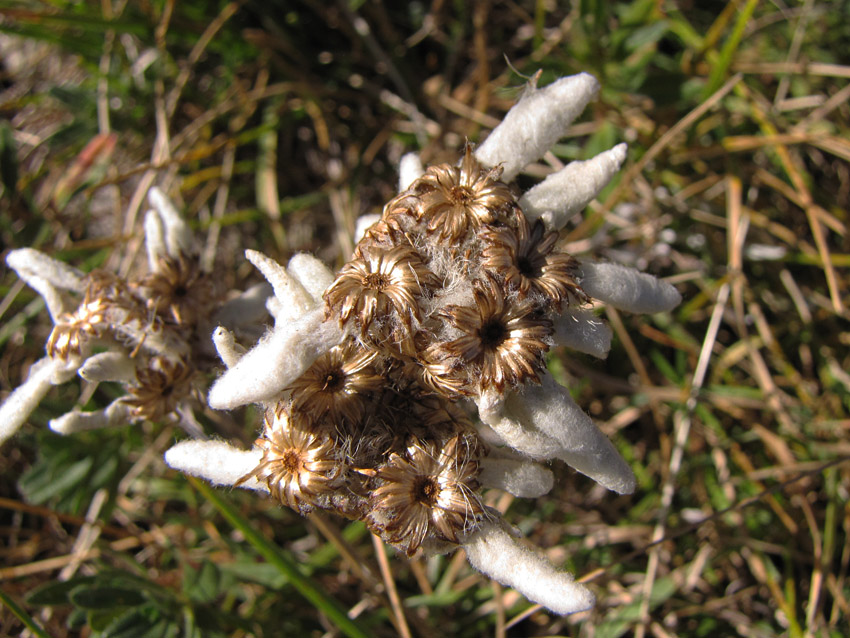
147, 328
458, 291
178, 290
75, 328
159, 388
428, 490
453, 199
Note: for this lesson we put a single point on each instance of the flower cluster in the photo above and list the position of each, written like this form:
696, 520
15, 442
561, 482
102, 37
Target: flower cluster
148, 332
398, 388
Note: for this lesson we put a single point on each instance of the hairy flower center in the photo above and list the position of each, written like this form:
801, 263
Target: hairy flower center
426, 490
528, 267
376, 281
461, 195
492, 334
334, 380
291, 461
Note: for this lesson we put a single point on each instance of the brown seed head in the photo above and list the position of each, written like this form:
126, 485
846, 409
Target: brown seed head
296, 464
381, 284
453, 199
503, 341
338, 385
430, 491
525, 258
160, 387
178, 292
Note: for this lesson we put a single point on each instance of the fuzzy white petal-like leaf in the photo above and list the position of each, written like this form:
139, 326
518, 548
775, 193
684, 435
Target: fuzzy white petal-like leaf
109, 366
409, 170
522, 478
178, 236
494, 552
30, 262
248, 309
293, 300
154, 240
567, 192
216, 462
225, 344
43, 374
627, 289
116, 414
535, 123
311, 273
274, 363
580, 329
544, 422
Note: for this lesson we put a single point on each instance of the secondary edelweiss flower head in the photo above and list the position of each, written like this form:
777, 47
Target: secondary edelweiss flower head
380, 283
178, 290
146, 329
525, 257
159, 388
456, 292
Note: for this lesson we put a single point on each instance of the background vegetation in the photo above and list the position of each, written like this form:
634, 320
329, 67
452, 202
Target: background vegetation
275, 125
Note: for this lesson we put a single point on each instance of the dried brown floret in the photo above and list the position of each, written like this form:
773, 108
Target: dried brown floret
503, 342
338, 384
74, 328
103, 284
179, 291
440, 371
453, 199
297, 465
379, 283
160, 387
525, 258
429, 491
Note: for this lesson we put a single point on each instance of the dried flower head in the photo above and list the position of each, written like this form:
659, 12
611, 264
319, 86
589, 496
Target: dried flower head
178, 291
456, 293
339, 384
380, 284
297, 464
524, 256
74, 328
454, 199
502, 343
159, 388
428, 491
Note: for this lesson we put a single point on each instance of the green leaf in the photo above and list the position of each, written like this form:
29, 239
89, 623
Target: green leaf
94, 597
202, 585
259, 573
56, 593
619, 620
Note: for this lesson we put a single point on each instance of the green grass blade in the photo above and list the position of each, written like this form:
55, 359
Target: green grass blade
21, 614
718, 71
287, 566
